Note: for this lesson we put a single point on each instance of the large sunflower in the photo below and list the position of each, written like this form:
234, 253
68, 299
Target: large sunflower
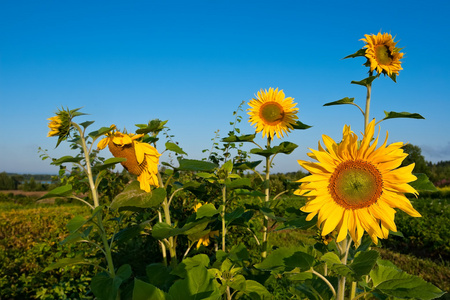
382, 53
356, 188
142, 158
271, 113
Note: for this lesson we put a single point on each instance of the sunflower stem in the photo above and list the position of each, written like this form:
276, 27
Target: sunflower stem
344, 249
367, 110
224, 228
267, 194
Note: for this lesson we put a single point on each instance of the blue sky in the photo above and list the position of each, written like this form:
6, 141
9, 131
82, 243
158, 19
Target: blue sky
194, 62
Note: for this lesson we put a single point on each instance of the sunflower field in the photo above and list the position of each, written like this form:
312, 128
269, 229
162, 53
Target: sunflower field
221, 227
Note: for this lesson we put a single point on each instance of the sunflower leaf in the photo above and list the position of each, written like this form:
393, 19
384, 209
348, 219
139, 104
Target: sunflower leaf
360, 52
345, 100
133, 196
109, 162
196, 165
66, 159
242, 138
366, 81
61, 191
393, 115
299, 125
248, 165
174, 148
100, 132
86, 124
423, 183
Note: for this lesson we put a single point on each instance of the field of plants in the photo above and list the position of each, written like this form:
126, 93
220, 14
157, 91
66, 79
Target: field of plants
31, 236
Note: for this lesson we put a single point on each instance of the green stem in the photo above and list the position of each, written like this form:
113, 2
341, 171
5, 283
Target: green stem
224, 228
267, 195
108, 255
324, 280
367, 110
353, 290
344, 248
88, 165
166, 208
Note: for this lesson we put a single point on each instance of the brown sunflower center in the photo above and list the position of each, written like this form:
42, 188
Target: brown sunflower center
356, 184
271, 113
383, 55
128, 152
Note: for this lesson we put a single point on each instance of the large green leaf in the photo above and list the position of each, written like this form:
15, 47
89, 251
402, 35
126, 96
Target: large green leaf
109, 163
301, 260
345, 100
248, 165
360, 52
196, 165
133, 196
256, 291
78, 260
364, 262
160, 276
393, 115
146, 291
396, 283
198, 284
105, 287
207, 210
67, 159
285, 148
61, 191
174, 148
189, 263
366, 81
276, 260
423, 183
100, 132
238, 183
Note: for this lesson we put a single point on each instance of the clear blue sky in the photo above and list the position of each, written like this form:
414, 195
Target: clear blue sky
193, 62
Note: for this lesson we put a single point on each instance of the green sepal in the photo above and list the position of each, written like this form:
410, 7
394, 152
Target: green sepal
423, 183
300, 126
133, 196
345, 100
66, 159
174, 148
61, 191
366, 81
395, 283
242, 138
360, 52
393, 115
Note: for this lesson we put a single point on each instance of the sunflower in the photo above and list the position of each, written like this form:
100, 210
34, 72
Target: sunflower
356, 188
382, 53
54, 125
142, 158
271, 113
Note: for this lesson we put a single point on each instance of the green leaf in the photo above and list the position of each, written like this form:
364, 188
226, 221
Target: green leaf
146, 291
270, 214
86, 124
100, 132
124, 272
248, 165
61, 191
276, 260
238, 183
336, 265
105, 287
242, 138
198, 284
230, 217
364, 262
78, 260
108, 163
133, 196
366, 81
285, 148
301, 260
256, 291
196, 165
160, 275
360, 52
189, 263
152, 126
300, 126
396, 283
207, 210
345, 100
66, 159
393, 115
174, 148
423, 183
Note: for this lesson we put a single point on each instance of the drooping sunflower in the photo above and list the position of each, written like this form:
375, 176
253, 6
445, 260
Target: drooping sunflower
142, 158
55, 125
355, 188
272, 113
382, 53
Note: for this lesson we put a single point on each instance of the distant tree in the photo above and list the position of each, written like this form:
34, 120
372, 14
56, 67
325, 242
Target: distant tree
415, 156
6, 182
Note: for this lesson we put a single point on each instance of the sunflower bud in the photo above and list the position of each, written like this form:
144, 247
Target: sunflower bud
61, 124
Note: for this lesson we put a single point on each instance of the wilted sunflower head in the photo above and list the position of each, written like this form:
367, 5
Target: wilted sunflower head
61, 124
382, 53
272, 113
355, 187
141, 158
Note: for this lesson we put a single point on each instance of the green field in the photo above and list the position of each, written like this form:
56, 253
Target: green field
30, 237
